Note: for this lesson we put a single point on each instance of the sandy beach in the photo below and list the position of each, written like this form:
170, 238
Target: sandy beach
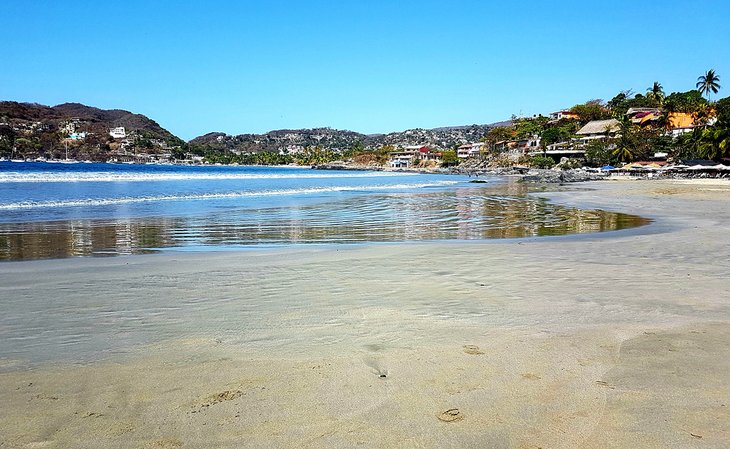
613, 340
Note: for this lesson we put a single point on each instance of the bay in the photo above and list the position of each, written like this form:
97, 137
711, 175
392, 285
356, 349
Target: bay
55, 210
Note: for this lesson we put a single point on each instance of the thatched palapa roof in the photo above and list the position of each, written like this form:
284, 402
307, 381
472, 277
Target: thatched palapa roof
599, 127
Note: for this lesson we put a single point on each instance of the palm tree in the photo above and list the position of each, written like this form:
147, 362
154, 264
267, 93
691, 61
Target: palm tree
626, 141
623, 153
708, 83
714, 144
656, 92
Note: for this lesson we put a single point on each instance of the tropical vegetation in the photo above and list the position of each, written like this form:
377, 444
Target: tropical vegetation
708, 83
707, 137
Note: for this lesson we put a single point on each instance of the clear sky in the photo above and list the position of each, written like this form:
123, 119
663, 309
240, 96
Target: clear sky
368, 66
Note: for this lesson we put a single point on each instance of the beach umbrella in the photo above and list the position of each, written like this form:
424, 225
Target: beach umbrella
608, 167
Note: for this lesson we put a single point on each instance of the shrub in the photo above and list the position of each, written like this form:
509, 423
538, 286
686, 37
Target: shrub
541, 162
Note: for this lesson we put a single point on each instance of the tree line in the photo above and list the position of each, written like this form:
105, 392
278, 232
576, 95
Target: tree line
631, 142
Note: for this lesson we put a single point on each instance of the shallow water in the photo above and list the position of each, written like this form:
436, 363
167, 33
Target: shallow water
60, 210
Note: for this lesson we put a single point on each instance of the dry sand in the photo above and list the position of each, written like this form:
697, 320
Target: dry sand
613, 341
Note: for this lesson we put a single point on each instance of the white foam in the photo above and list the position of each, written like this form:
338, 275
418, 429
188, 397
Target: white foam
91, 202
16, 177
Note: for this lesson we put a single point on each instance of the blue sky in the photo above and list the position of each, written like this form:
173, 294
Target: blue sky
368, 66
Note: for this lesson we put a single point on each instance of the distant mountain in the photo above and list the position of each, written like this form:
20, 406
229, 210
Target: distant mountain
333, 139
282, 139
92, 117
33, 130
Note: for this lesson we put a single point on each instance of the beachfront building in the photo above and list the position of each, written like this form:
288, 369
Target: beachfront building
575, 148
118, 133
469, 150
560, 150
410, 155
519, 147
400, 159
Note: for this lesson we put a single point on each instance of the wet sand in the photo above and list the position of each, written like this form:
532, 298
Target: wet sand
598, 341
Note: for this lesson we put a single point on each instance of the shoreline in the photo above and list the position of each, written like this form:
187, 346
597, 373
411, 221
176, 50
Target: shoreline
527, 174
592, 342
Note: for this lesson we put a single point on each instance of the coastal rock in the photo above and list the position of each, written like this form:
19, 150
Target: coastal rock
561, 176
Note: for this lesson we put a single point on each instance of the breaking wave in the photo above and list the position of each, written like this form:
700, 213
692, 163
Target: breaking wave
16, 177
91, 202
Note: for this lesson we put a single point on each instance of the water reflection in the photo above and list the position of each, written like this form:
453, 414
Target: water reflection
466, 213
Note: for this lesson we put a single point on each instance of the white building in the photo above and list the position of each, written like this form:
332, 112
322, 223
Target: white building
411, 153
563, 114
70, 126
291, 149
401, 160
469, 150
77, 136
118, 133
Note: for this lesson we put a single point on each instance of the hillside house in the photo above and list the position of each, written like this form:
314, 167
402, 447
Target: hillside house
118, 133
291, 149
679, 123
519, 146
564, 114
469, 150
598, 129
410, 154
644, 116
77, 136
70, 126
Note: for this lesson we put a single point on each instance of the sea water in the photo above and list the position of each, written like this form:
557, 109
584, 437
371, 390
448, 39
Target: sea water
53, 210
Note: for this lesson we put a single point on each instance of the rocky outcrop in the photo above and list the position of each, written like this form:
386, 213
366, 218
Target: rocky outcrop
561, 176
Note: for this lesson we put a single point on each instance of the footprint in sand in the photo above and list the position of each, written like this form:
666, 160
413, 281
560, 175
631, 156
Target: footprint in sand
165, 443
227, 395
450, 415
473, 350
376, 367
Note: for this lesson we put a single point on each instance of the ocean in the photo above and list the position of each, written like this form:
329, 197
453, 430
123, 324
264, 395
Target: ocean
56, 210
